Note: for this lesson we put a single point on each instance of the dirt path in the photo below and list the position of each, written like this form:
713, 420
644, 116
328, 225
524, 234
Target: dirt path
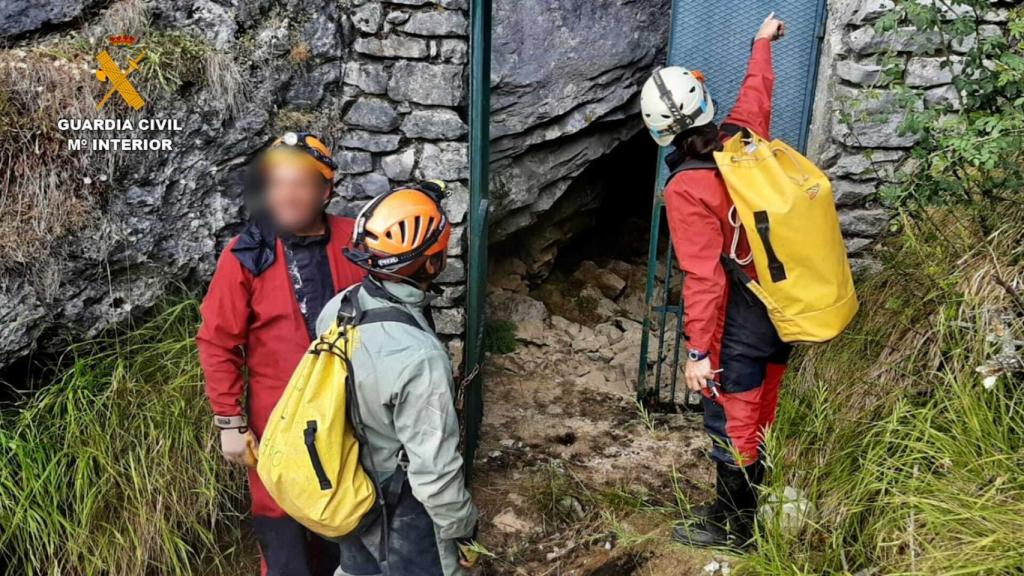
574, 477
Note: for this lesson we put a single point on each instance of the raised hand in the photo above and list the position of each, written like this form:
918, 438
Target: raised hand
772, 28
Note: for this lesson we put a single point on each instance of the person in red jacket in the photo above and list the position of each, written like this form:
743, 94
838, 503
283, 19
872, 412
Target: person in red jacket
258, 318
734, 356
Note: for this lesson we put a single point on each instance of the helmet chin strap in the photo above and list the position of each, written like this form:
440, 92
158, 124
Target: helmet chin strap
361, 260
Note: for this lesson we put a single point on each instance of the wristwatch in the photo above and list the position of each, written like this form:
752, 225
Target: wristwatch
695, 355
230, 422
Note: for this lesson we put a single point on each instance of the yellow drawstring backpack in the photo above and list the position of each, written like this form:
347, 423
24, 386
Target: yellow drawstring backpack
309, 452
785, 204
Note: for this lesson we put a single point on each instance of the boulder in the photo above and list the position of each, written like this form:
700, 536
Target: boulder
514, 307
589, 274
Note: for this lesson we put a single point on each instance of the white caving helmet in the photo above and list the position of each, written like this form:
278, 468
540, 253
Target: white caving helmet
674, 99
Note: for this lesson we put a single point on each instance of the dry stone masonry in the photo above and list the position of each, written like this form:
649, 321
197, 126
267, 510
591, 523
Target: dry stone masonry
404, 88
855, 132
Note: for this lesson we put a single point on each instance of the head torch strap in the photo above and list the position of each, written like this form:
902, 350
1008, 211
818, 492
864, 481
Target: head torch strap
299, 141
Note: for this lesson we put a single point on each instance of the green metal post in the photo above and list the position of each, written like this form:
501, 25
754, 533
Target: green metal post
479, 168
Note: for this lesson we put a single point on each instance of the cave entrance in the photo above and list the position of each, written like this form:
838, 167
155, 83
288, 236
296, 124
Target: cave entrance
587, 259
603, 217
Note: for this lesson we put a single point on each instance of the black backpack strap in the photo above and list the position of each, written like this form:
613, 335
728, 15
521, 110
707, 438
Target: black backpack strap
730, 130
692, 165
388, 314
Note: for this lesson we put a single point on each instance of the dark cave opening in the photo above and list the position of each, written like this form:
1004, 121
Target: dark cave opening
603, 215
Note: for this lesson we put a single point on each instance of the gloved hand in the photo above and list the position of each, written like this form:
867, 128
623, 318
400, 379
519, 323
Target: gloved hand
237, 442
468, 554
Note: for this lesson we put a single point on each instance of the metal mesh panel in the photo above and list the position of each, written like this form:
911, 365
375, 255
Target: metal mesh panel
714, 37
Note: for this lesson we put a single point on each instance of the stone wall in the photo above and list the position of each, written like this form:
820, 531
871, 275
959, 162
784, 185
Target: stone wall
405, 89
857, 115
383, 82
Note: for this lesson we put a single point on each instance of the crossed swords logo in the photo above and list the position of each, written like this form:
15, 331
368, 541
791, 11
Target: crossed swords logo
110, 72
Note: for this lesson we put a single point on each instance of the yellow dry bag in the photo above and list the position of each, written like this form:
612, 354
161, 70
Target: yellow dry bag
785, 204
309, 453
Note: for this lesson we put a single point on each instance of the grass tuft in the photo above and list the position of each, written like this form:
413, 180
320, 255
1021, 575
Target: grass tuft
113, 468
912, 465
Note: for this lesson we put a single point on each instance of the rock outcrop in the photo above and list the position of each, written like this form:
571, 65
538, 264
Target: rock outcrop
564, 84
384, 81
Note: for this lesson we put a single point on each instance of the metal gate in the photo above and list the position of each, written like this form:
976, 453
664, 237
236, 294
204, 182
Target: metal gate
714, 37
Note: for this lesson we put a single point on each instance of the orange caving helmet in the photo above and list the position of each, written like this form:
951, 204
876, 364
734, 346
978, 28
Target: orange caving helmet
302, 147
399, 230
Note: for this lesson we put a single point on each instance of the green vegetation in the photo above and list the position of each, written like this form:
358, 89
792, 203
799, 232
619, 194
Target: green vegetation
913, 464
500, 337
907, 432
113, 468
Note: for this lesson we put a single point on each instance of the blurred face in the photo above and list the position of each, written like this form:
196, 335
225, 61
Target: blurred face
295, 195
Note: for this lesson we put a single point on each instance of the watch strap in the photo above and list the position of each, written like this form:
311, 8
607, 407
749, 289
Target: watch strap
229, 422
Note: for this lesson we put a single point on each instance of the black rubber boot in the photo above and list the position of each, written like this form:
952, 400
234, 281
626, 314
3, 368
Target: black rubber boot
743, 488
729, 521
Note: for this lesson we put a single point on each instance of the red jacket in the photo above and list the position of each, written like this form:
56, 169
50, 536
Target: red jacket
697, 204
254, 321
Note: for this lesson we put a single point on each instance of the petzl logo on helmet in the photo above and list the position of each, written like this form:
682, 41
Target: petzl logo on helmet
812, 192
110, 72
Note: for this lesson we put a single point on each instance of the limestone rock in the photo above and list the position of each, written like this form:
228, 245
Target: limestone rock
370, 141
444, 160
943, 97
364, 186
876, 121
353, 162
434, 124
370, 78
551, 115
367, 18
449, 321
866, 165
869, 223
436, 23
398, 166
514, 307
590, 274
457, 202
21, 16
870, 10
454, 272
853, 193
454, 50
866, 40
425, 83
392, 47
929, 72
372, 114
862, 74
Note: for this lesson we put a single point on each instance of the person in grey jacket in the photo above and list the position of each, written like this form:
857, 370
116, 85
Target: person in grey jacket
405, 390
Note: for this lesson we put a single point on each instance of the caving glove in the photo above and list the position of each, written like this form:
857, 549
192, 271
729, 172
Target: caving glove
237, 442
469, 553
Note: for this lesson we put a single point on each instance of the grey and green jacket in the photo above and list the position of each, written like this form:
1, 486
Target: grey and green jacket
403, 378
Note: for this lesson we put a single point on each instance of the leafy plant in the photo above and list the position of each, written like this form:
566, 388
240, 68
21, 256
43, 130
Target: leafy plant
500, 337
971, 146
